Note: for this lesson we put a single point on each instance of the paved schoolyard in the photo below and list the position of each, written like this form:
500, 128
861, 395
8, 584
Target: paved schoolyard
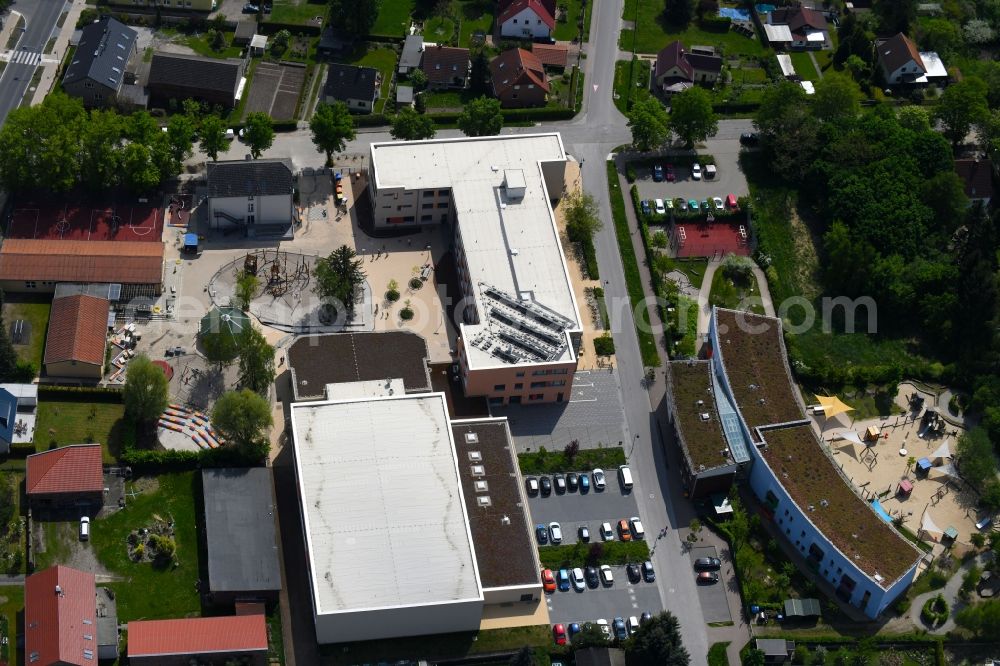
593, 416
275, 90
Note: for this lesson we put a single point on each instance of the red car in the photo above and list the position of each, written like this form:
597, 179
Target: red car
559, 634
670, 173
548, 580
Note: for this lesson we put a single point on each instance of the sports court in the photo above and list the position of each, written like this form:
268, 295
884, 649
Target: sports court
129, 222
275, 90
710, 239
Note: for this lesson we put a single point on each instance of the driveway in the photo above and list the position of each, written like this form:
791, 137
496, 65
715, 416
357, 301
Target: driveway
714, 603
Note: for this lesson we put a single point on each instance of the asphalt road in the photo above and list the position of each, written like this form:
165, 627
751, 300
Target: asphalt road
40, 17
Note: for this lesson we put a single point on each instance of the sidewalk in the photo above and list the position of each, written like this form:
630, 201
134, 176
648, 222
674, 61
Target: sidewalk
50, 62
8, 27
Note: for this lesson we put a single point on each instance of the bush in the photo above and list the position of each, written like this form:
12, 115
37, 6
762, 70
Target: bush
630, 174
589, 253
604, 345
549, 462
902, 606
715, 23
406, 314
581, 554
935, 611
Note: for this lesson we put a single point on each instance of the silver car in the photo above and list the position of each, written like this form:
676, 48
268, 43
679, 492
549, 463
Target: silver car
578, 582
555, 533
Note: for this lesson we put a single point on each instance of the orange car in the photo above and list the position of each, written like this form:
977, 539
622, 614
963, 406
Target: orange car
548, 580
624, 531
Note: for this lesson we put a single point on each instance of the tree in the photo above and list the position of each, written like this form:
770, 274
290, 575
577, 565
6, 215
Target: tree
256, 361
479, 74
974, 455
895, 15
259, 133
332, 127
961, 106
140, 174
213, 136
481, 117
408, 125
649, 123
982, 619
978, 31
355, 17
837, 97
216, 39
691, 115
858, 68
180, 136
658, 643
941, 35
418, 79
694, 530
242, 419
678, 13
582, 218
754, 657
571, 451
246, 288
280, 41
338, 277
788, 130
100, 150
914, 118
145, 392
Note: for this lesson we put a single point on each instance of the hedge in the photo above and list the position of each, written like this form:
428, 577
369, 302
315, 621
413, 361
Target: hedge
570, 556
158, 460
79, 393
604, 345
715, 23
589, 255
551, 462
21, 449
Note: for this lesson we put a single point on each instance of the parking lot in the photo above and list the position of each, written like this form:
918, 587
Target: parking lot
728, 180
573, 509
623, 599
714, 604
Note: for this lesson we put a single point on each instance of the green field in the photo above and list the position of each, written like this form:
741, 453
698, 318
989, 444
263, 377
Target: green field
568, 30
439, 29
200, 44
631, 82
393, 18
652, 34
64, 422
11, 604
147, 591
804, 66
36, 315
295, 11
384, 60
474, 16
735, 295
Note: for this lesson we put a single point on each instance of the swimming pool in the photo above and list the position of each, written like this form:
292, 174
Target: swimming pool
734, 13
765, 9
881, 511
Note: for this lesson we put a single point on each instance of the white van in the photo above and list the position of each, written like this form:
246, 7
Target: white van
85, 528
625, 476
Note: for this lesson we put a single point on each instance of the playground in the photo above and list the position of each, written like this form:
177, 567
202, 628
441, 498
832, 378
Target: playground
140, 222
710, 239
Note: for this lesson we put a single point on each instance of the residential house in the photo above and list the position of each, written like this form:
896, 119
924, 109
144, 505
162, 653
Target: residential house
18, 411
555, 56
797, 28
404, 96
413, 53
678, 69
519, 79
255, 194
977, 176
446, 66
226, 639
245, 30
99, 71
527, 19
77, 337
61, 624
179, 77
357, 87
776, 650
901, 63
69, 477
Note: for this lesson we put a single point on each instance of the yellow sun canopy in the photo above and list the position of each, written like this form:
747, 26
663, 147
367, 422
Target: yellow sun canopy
832, 405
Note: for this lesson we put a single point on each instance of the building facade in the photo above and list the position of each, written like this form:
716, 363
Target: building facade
526, 19
102, 63
253, 194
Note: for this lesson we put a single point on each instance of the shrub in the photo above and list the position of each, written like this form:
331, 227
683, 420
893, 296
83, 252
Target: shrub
416, 283
902, 606
580, 554
659, 240
406, 314
604, 345
935, 611
630, 174
392, 291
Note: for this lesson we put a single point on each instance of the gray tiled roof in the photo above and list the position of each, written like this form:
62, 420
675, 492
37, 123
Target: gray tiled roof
246, 178
103, 53
195, 72
344, 82
413, 51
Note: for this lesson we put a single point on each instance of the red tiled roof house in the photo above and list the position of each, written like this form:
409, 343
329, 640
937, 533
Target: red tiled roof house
678, 69
77, 337
69, 476
177, 642
519, 79
60, 618
446, 66
977, 176
526, 19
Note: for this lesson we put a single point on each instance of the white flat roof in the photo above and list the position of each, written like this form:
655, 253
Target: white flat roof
511, 243
382, 504
785, 63
808, 87
777, 33
933, 65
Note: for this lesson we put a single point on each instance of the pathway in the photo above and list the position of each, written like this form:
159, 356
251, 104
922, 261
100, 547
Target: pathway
765, 291
812, 56
704, 307
950, 592
11, 579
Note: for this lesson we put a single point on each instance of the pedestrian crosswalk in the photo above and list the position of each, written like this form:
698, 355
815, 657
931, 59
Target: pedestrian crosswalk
26, 57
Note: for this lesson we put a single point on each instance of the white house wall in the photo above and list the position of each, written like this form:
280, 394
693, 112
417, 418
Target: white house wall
527, 24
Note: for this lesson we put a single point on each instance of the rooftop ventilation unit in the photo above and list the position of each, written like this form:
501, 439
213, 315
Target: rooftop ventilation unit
514, 184
704, 416
471, 438
483, 501
481, 486
478, 470
475, 456
505, 520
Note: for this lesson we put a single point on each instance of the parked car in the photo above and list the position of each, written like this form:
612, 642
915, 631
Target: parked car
696, 171
670, 173
560, 480
572, 482
709, 171
633, 625
603, 626
548, 580
632, 571
250, 8
607, 577
624, 533
621, 633
599, 480
669, 203
648, 572
230, 134
578, 582
573, 629
658, 173
705, 205
555, 533
749, 139
546, 484
645, 617
584, 482
659, 207
562, 580
584, 533
708, 577
637, 530
559, 634
682, 204
644, 205
693, 204
542, 533
593, 578
718, 203
85, 528
532, 485
606, 532
707, 564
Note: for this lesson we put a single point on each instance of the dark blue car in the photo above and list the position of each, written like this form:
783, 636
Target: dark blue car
658, 173
543, 534
644, 204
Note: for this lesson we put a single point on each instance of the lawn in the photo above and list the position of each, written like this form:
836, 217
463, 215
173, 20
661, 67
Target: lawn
11, 604
383, 60
199, 42
12, 539
36, 315
68, 421
631, 81
567, 30
474, 16
295, 11
694, 269
439, 29
652, 34
735, 294
393, 18
148, 592
804, 66
717, 654
749, 75
446, 99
